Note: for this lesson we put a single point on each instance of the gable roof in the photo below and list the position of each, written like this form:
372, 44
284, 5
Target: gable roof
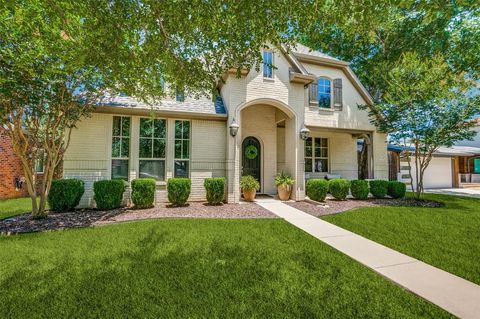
305, 54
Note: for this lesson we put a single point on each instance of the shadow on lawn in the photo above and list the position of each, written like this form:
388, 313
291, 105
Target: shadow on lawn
149, 278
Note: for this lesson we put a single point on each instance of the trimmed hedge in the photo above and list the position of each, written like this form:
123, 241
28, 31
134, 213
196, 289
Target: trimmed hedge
108, 194
178, 190
396, 189
65, 194
378, 188
317, 189
339, 188
143, 192
359, 189
215, 188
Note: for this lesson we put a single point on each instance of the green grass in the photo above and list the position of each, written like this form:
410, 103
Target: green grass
17, 206
448, 238
192, 268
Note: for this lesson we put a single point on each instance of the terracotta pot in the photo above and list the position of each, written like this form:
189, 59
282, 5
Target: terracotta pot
249, 195
284, 192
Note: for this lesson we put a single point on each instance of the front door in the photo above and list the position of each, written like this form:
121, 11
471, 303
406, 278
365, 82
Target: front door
251, 158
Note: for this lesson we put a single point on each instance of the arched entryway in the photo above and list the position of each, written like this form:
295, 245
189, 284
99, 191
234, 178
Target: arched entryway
251, 158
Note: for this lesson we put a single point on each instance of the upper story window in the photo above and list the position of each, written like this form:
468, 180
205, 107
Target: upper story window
152, 144
120, 147
268, 64
324, 93
180, 95
182, 148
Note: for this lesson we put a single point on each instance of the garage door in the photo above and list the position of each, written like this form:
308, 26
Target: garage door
438, 173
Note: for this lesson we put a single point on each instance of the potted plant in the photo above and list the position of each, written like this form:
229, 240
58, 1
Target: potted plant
284, 184
249, 186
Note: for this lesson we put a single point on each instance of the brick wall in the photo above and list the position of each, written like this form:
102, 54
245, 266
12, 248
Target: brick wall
10, 168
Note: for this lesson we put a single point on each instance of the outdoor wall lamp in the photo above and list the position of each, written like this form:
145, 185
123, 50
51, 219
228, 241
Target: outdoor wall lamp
234, 128
304, 133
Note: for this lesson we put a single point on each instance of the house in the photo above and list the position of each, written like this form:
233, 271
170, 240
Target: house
451, 167
300, 116
11, 173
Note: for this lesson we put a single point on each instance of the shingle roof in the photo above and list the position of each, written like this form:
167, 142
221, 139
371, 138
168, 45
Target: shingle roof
302, 49
198, 106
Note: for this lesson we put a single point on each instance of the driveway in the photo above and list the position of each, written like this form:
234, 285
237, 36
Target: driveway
468, 192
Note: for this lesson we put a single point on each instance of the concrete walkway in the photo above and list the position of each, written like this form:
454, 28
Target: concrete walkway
452, 293
467, 192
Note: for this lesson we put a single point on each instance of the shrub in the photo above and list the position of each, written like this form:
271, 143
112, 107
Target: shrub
317, 189
215, 188
143, 192
178, 190
108, 194
396, 189
359, 189
249, 183
283, 179
339, 188
378, 188
65, 194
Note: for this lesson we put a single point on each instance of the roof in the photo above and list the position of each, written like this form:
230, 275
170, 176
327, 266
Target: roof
202, 106
443, 151
300, 49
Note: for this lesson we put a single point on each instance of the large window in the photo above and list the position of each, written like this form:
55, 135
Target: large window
120, 147
316, 155
182, 148
152, 148
268, 64
324, 93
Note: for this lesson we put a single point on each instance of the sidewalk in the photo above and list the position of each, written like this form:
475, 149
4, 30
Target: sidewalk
452, 293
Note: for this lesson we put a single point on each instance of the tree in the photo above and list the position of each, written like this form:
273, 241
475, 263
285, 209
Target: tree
425, 106
58, 57
428, 28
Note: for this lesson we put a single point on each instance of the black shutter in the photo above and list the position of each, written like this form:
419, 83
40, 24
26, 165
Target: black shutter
313, 93
337, 94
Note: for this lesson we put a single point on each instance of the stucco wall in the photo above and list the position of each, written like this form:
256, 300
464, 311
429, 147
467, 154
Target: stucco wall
350, 117
89, 154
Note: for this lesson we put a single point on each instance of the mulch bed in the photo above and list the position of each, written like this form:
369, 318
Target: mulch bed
89, 217
194, 210
332, 206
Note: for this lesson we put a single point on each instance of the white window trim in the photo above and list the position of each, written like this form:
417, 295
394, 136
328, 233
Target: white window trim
313, 157
263, 66
154, 158
189, 147
112, 158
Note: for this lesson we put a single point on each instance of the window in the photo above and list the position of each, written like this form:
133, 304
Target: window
324, 93
268, 64
316, 155
152, 147
120, 147
182, 148
40, 163
180, 95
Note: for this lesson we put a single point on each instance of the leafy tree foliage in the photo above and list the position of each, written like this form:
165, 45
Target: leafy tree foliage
425, 106
428, 28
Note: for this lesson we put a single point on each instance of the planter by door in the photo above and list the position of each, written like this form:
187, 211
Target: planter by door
284, 192
249, 195
251, 158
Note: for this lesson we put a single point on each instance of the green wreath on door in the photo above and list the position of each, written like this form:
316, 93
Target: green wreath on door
251, 152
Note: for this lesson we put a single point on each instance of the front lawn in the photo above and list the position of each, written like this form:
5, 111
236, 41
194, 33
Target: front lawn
447, 237
192, 268
12, 207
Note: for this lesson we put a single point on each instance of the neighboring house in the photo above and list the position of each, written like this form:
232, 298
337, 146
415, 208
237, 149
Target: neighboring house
457, 166
11, 173
300, 117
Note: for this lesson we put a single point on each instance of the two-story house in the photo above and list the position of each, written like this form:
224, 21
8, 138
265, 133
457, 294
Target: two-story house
298, 114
